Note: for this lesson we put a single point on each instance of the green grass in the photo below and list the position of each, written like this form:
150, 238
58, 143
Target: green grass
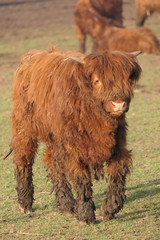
140, 217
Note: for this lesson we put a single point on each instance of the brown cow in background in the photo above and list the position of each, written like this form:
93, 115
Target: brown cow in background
92, 16
129, 39
76, 105
145, 8
111, 9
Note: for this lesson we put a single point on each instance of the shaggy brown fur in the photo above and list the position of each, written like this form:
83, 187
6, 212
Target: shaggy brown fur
145, 8
126, 39
92, 16
77, 108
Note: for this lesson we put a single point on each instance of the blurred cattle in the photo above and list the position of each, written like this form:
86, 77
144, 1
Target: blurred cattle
145, 8
127, 39
91, 17
76, 105
111, 9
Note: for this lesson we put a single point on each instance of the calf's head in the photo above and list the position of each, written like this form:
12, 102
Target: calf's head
109, 78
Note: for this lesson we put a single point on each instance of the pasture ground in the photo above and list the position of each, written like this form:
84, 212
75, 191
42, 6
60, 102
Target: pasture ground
28, 24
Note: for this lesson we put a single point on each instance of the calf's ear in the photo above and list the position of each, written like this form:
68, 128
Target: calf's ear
136, 53
75, 58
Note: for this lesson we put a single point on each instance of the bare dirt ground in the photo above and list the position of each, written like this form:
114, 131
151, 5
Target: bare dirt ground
18, 15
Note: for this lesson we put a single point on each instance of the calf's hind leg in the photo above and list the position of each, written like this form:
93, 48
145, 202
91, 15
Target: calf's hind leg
24, 152
63, 194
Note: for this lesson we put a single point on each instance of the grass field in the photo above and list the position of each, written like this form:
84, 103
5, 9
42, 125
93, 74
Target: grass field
140, 217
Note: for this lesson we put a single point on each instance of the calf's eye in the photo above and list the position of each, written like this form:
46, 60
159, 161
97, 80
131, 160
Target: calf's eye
97, 83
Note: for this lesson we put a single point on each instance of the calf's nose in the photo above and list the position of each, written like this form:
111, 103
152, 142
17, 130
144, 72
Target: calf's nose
120, 106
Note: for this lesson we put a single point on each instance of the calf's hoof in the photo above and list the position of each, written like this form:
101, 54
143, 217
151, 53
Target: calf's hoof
24, 210
85, 212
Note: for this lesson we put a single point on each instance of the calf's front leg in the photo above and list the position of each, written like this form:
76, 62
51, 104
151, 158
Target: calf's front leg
84, 207
115, 194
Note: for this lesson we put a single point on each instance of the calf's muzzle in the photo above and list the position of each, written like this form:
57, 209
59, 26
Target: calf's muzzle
120, 106
116, 108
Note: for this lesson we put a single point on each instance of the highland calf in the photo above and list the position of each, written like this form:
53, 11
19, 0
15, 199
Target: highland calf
127, 39
145, 8
76, 105
92, 16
